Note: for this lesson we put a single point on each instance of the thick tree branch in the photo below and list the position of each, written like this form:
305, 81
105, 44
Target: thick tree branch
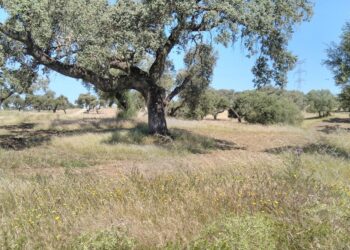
136, 79
15, 35
119, 64
41, 57
178, 89
4, 98
162, 53
174, 110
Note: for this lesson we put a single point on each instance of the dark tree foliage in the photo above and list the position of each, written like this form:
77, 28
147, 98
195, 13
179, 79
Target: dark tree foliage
322, 102
339, 62
265, 108
339, 58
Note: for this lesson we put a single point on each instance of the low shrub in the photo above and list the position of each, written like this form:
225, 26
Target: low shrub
264, 108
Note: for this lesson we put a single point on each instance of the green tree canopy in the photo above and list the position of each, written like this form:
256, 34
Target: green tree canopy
339, 62
18, 81
207, 102
339, 58
61, 103
87, 101
47, 101
14, 102
322, 102
107, 43
41, 102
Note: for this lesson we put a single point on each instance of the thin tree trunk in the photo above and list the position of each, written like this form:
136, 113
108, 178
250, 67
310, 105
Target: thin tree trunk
173, 111
234, 114
156, 111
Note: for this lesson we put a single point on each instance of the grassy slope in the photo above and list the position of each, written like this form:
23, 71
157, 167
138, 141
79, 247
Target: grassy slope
89, 182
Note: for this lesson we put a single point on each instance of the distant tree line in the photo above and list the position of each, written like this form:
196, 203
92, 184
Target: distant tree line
47, 101
267, 105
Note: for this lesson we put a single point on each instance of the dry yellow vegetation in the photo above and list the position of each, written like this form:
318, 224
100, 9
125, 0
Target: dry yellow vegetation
81, 181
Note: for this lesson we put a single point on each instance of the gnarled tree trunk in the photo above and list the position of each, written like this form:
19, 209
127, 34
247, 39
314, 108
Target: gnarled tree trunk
156, 111
233, 114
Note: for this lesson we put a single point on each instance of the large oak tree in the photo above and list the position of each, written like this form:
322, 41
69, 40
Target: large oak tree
339, 62
106, 43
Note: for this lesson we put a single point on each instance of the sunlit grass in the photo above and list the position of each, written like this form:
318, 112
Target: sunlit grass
212, 185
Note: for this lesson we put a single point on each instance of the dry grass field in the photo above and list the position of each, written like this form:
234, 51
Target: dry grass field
81, 181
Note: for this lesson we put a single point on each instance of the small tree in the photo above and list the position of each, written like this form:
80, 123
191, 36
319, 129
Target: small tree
35, 102
87, 101
215, 102
322, 102
61, 103
48, 100
207, 102
222, 101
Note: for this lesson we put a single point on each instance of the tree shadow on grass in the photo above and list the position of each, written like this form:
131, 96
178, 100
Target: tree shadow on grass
21, 126
313, 148
180, 140
85, 122
338, 120
328, 129
24, 136
313, 118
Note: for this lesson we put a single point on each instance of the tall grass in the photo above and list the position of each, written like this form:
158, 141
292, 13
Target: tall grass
127, 190
204, 210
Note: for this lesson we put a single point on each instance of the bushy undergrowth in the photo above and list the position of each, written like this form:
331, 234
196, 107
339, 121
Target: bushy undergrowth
264, 108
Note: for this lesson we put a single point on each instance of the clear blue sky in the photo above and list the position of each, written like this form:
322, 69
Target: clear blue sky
309, 43
233, 70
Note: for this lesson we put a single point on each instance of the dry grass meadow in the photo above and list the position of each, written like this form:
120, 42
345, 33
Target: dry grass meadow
81, 181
